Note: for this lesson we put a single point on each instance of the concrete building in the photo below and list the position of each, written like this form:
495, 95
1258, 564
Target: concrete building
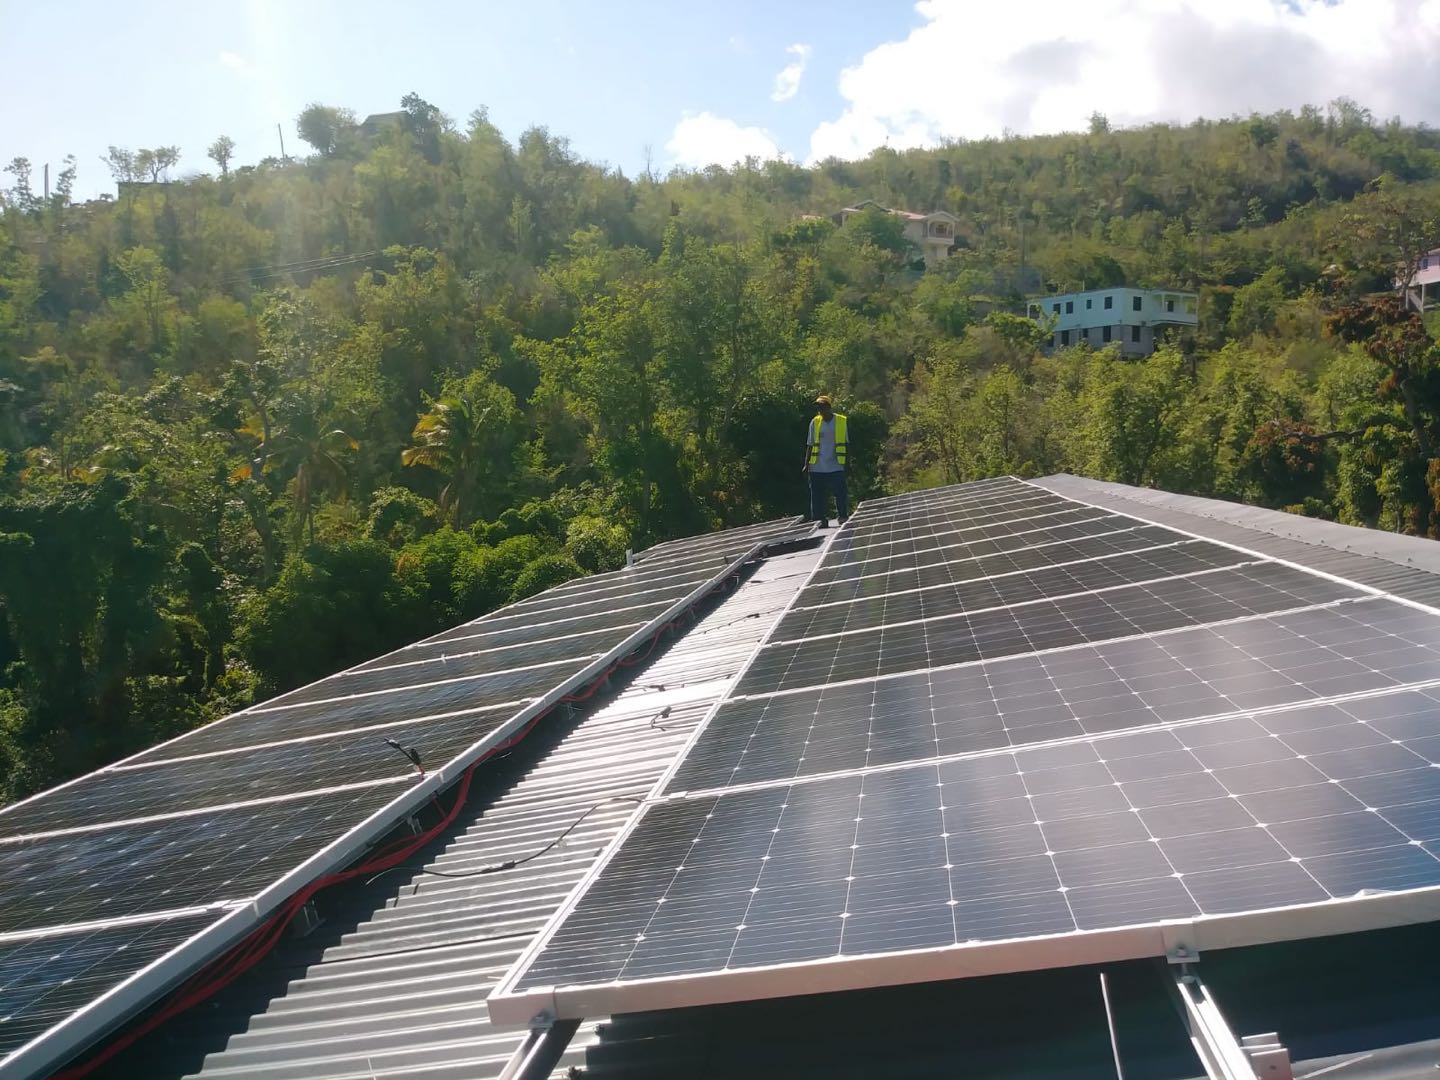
933, 234
1420, 292
1126, 317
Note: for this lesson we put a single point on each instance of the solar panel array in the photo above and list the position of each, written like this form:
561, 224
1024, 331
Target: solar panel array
128, 866
995, 716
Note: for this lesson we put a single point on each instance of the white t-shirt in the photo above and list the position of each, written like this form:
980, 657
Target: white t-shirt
827, 461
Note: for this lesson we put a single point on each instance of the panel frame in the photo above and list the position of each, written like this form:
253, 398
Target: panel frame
81, 1029
509, 1006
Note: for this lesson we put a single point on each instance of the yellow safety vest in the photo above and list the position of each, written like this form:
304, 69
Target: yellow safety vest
840, 428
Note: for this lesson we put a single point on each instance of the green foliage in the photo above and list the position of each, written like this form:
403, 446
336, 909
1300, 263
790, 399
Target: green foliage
469, 437
324, 127
331, 607
398, 516
596, 545
257, 427
485, 578
544, 573
427, 568
82, 593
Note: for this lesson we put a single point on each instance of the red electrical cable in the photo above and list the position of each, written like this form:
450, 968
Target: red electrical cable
223, 970
640, 658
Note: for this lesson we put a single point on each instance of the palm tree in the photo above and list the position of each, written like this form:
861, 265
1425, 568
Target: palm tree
299, 444
465, 436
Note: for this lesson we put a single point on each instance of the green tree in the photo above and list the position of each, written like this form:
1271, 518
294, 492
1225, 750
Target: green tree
1128, 417
220, 152
324, 127
330, 608
469, 436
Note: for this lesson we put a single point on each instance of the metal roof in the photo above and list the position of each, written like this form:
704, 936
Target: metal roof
394, 983
1408, 566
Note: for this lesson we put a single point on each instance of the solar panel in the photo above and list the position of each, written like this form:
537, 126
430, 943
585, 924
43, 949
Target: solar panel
978, 743
1100, 834
122, 882
44, 980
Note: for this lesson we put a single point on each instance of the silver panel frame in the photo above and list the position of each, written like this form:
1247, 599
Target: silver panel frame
509, 1006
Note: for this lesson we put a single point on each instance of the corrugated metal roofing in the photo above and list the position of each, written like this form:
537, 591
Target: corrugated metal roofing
1407, 566
395, 984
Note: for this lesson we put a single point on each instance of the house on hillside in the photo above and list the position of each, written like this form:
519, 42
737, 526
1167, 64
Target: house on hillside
1417, 293
1135, 319
933, 234
375, 123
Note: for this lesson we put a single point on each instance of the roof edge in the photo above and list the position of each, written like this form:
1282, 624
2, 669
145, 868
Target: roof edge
1412, 552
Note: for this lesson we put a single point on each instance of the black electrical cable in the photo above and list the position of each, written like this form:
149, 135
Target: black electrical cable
732, 622
510, 864
411, 754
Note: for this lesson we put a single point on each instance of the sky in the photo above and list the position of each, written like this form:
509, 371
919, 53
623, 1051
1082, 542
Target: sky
685, 84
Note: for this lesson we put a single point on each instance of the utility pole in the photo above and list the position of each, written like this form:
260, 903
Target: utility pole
47, 181
281, 132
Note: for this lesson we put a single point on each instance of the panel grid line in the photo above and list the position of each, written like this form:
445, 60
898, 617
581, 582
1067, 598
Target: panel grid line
1116, 741
1049, 744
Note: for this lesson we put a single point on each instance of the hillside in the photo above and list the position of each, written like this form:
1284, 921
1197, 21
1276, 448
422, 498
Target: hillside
258, 425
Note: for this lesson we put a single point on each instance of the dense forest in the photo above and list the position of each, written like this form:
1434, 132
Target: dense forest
265, 422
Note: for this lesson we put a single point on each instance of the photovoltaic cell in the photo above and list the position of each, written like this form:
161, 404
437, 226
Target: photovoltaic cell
1031, 627
1005, 589
868, 532
926, 551
1188, 821
481, 634
1048, 518
949, 565
992, 715
1091, 690
265, 724
535, 644
459, 663
779, 531
187, 862
44, 980
168, 787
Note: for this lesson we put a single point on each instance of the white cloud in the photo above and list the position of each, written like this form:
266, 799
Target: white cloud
787, 82
973, 71
235, 62
707, 139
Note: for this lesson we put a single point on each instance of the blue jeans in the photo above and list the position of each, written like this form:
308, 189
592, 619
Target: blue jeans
822, 484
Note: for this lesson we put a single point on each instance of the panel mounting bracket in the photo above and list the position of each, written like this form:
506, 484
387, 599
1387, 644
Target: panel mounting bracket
307, 920
544, 1045
1220, 1052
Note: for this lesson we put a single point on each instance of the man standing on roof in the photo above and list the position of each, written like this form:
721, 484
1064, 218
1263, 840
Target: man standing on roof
825, 462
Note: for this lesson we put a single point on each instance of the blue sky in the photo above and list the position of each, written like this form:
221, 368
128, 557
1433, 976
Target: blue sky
693, 82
